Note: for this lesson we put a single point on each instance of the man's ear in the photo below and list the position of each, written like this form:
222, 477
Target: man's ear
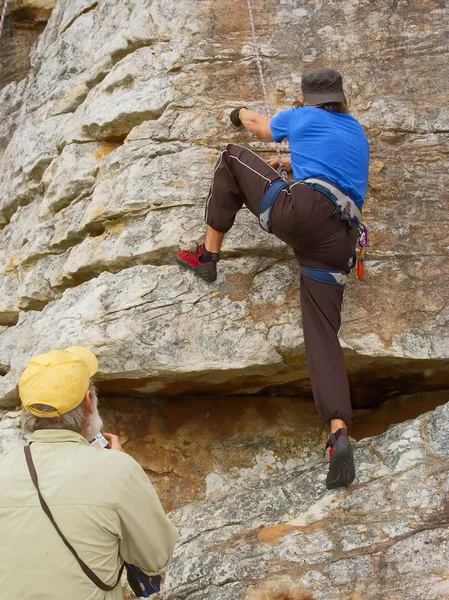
88, 403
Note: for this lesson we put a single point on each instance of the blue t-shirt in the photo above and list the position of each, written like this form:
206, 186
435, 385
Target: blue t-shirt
327, 145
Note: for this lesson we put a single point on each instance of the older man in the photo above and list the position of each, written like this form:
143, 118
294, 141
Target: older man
102, 500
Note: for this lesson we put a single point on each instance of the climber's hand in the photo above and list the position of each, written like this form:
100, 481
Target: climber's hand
234, 116
286, 161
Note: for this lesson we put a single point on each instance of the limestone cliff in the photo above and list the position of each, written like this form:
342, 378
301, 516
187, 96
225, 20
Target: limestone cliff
107, 148
25, 21
386, 537
109, 132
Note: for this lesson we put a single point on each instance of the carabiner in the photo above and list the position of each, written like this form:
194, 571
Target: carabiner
364, 236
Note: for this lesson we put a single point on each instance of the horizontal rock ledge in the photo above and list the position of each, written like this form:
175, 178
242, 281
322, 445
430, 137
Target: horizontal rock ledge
372, 380
159, 331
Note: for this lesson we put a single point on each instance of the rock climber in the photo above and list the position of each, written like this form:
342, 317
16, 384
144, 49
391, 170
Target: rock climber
318, 216
101, 499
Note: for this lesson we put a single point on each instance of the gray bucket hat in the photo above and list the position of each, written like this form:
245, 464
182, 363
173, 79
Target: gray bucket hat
322, 85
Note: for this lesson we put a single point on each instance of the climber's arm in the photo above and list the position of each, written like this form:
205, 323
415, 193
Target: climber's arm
256, 123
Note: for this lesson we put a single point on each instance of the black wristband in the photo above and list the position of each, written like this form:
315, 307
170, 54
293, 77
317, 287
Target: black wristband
234, 116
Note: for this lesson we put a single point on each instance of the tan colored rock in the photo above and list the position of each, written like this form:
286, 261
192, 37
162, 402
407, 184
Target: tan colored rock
28, 154
109, 144
20, 4
206, 448
69, 175
385, 537
11, 436
24, 22
122, 100
9, 312
148, 301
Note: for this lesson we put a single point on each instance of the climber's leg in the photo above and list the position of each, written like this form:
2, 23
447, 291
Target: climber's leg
321, 308
325, 259
213, 239
337, 424
240, 177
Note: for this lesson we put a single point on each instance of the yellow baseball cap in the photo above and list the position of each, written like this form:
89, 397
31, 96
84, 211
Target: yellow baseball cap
59, 379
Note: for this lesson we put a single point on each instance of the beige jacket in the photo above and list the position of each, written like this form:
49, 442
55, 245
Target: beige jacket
102, 501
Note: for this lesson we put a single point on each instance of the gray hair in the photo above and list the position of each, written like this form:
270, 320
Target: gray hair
74, 420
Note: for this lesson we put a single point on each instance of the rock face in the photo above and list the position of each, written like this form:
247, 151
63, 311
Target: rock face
106, 151
11, 436
260, 465
109, 131
203, 448
387, 536
25, 21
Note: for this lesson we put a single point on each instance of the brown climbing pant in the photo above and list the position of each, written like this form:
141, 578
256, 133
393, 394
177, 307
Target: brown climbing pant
242, 177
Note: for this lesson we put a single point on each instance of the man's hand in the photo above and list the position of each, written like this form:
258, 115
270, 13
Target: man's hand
286, 161
234, 116
253, 121
114, 441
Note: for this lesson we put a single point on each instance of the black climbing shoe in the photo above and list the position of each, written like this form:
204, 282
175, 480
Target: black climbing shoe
341, 466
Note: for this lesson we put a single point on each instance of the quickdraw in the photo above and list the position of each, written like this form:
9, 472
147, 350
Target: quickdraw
282, 170
2, 18
363, 243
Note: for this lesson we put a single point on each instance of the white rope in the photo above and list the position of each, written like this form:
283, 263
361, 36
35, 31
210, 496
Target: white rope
2, 18
282, 169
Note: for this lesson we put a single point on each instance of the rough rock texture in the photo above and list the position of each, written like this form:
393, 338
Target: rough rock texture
106, 150
25, 21
197, 448
260, 465
11, 436
387, 536
205, 447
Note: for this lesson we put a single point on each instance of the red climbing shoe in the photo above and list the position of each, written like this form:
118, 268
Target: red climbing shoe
200, 261
341, 466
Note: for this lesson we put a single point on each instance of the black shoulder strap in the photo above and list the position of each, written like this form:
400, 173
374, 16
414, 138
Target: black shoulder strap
90, 574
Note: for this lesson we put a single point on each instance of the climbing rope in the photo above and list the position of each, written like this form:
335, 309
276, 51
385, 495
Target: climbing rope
282, 169
2, 18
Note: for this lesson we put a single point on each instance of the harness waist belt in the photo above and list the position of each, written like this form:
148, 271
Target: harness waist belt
349, 209
268, 200
337, 278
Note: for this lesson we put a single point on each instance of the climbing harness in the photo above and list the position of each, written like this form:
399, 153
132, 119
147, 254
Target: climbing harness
268, 201
347, 208
282, 170
363, 243
337, 278
349, 212
2, 18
